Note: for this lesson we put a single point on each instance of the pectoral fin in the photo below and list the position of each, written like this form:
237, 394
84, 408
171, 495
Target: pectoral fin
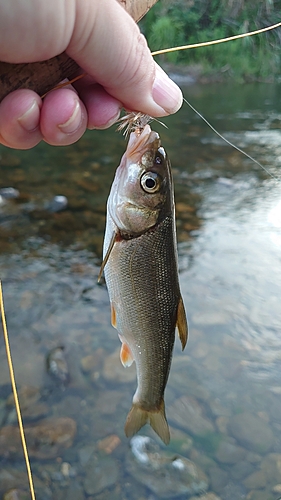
126, 356
111, 245
182, 324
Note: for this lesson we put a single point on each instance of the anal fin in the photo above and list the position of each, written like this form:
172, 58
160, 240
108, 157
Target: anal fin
126, 356
182, 324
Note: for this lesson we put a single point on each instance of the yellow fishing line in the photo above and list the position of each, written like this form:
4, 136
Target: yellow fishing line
215, 42
181, 47
13, 382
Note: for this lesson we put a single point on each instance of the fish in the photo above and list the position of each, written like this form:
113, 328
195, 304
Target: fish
140, 266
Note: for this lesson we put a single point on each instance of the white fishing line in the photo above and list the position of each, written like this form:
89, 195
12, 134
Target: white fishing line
230, 143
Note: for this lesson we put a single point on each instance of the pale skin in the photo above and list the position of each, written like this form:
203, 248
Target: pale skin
106, 43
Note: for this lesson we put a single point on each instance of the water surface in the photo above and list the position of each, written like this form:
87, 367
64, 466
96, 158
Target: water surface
229, 242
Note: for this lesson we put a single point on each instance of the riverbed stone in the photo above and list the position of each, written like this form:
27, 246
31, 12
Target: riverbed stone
277, 488
57, 365
169, 480
109, 443
242, 469
72, 492
251, 431
27, 395
85, 453
256, 495
229, 453
45, 440
233, 490
271, 465
16, 494
101, 473
31, 406
12, 479
188, 414
160, 471
218, 478
201, 459
256, 480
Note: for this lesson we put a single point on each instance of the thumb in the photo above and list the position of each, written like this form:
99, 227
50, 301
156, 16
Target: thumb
108, 45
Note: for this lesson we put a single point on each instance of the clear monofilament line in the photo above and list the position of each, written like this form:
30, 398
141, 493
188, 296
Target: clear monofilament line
228, 142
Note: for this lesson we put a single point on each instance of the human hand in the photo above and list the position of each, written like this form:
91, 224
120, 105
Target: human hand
106, 43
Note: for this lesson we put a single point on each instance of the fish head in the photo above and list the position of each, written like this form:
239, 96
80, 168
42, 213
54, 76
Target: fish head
142, 192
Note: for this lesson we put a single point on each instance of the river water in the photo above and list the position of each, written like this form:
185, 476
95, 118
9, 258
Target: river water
223, 398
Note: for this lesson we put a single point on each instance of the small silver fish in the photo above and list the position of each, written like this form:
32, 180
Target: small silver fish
141, 273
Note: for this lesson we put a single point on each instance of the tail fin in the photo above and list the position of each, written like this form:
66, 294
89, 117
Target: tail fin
138, 417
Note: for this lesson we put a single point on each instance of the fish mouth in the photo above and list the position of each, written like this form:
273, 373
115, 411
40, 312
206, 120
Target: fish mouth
139, 143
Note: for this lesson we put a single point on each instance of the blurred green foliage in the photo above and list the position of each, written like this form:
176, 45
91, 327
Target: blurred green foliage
179, 22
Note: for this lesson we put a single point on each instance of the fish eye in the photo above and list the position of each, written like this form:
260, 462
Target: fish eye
150, 182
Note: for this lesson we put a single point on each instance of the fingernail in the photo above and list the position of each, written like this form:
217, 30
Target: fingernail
73, 123
30, 119
165, 92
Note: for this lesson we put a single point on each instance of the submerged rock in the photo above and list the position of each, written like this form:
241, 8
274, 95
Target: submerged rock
166, 475
109, 443
276, 488
16, 494
72, 492
31, 406
229, 453
44, 440
271, 465
256, 480
218, 478
57, 364
57, 204
101, 473
9, 193
251, 431
241, 470
232, 491
13, 484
